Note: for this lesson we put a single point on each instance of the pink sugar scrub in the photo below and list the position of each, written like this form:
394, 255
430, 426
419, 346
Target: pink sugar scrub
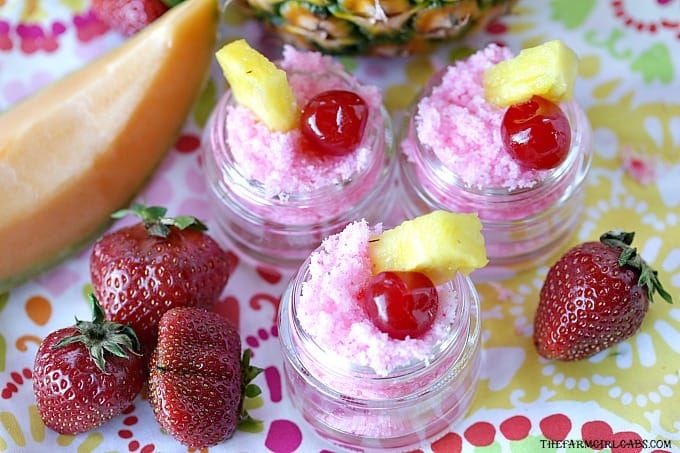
356, 386
463, 129
277, 160
453, 158
329, 312
275, 199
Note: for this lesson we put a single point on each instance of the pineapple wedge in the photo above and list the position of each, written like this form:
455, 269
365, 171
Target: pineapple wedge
547, 70
438, 244
259, 85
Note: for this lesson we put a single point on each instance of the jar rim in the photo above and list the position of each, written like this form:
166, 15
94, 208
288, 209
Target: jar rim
379, 130
462, 342
580, 140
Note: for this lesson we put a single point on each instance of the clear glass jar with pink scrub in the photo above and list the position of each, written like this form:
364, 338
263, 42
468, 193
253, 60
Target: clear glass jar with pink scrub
281, 227
522, 226
350, 404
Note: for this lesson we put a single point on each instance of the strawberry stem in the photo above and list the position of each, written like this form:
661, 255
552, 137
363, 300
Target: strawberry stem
101, 336
155, 221
649, 278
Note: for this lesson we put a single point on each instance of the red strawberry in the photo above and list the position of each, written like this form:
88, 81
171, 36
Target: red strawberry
595, 296
129, 16
198, 379
86, 374
141, 271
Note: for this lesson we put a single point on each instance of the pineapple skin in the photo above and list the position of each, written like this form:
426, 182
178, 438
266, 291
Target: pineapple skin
381, 27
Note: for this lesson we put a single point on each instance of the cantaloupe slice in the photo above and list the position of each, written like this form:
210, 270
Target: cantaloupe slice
80, 149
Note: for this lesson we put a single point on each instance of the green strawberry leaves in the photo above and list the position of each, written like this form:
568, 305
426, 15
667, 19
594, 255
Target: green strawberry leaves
629, 257
248, 390
100, 336
155, 221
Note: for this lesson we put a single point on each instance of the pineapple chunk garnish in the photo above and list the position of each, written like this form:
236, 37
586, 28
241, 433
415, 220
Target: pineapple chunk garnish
259, 85
438, 244
548, 70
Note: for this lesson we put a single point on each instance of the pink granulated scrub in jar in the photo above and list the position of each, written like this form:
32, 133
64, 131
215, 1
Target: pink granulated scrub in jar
355, 385
273, 198
453, 158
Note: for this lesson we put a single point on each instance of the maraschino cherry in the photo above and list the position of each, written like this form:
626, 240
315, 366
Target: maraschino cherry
536, 133
401, 304
333, 122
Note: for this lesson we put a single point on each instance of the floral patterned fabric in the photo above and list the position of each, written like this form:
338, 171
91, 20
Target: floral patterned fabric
625, 398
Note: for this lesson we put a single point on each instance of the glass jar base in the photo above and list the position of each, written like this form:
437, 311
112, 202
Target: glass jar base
512, 246
359, 433
257, 246
357, 401
522, 227
282, 230
287, 246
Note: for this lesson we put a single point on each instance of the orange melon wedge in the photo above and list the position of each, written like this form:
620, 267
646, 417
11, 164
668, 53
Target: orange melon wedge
82, 147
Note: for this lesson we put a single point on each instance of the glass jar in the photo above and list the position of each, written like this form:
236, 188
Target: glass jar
283, 228
352, 406
522, 227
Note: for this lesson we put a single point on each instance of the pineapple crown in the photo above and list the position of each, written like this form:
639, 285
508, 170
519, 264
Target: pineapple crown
155, 221
100, 336
631, 258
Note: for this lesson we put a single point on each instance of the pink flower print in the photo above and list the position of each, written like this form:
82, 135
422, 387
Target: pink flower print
88, 26
33, 38
643, 168
5, 40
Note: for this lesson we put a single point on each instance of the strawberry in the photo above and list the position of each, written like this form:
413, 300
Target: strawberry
198, 379
595, 296
87, 373
141, 271
129, 16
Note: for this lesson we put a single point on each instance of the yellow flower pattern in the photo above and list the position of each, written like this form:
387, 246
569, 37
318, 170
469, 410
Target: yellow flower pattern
629, 86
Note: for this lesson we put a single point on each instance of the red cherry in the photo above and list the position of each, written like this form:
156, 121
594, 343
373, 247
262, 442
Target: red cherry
400, 304
536, 133
334, 121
